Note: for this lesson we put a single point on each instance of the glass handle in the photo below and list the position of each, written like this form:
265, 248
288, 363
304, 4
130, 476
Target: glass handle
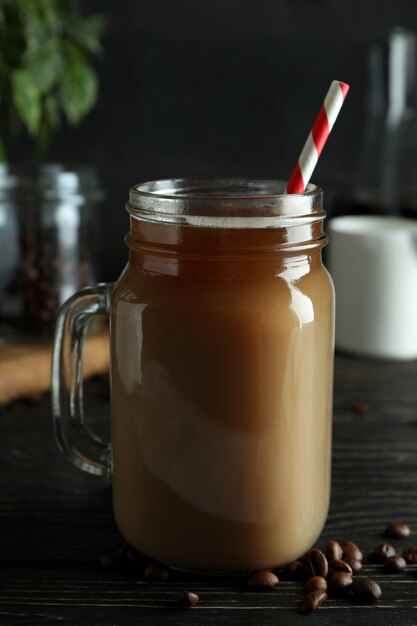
74, 438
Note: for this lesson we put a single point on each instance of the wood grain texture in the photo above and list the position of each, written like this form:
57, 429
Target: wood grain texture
56, 523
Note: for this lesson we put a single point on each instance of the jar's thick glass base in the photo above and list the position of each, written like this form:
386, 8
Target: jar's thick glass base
231, 573
203, 563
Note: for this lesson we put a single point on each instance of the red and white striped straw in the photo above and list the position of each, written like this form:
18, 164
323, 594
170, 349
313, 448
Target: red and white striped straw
317, 137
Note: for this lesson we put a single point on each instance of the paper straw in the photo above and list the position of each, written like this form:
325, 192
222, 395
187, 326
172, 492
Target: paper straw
317, 137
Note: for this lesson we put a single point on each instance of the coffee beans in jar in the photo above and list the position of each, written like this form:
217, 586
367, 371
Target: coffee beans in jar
49, 238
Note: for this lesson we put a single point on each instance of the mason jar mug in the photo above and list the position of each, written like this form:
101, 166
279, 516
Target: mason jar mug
221, 332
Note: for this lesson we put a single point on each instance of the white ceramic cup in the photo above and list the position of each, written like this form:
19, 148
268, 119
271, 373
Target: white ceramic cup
373, 262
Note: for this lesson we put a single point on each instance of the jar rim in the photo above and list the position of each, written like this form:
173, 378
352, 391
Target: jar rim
224, 202
51, 180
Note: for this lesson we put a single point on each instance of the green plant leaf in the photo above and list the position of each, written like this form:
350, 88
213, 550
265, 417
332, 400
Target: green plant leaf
3, 156
37, 32
51, 12
44, 66
95, 24
45, 69
26, 98
79, 85
86, 31
31, 8
51, 111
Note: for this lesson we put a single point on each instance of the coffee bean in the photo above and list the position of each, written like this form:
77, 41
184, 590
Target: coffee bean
315, 563
354, 564
340, 566
340, 582
397, 530
113, 560
395, 564
351, 551
33, 398
382, 552
295, 570
333, 550
264, 578
410, 555
156, 573
316, 582
365, 589
188, 598
32, 273
313, 600
361, 407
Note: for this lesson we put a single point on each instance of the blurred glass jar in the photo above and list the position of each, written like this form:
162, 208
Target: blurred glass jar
48, 244
386, 181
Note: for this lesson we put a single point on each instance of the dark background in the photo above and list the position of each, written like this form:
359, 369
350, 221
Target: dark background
222, 87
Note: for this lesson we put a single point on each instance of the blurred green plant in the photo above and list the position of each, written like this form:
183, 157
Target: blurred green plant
45, 71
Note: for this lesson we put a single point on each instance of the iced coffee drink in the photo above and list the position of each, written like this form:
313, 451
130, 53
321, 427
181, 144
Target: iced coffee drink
222, 356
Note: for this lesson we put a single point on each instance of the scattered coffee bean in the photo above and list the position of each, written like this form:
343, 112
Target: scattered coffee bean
354, 564
361, 407
333, 550
295, 570
395, 564
33, 398
313, 600
263, 578
316, 582
382, 552
351, 551
340, 566
340, 582
397, 530
315, 563
365, 589
156, 573
410, 555
188, 598
113, 560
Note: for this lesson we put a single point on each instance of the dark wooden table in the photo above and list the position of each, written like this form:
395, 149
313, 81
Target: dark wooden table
56, 522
